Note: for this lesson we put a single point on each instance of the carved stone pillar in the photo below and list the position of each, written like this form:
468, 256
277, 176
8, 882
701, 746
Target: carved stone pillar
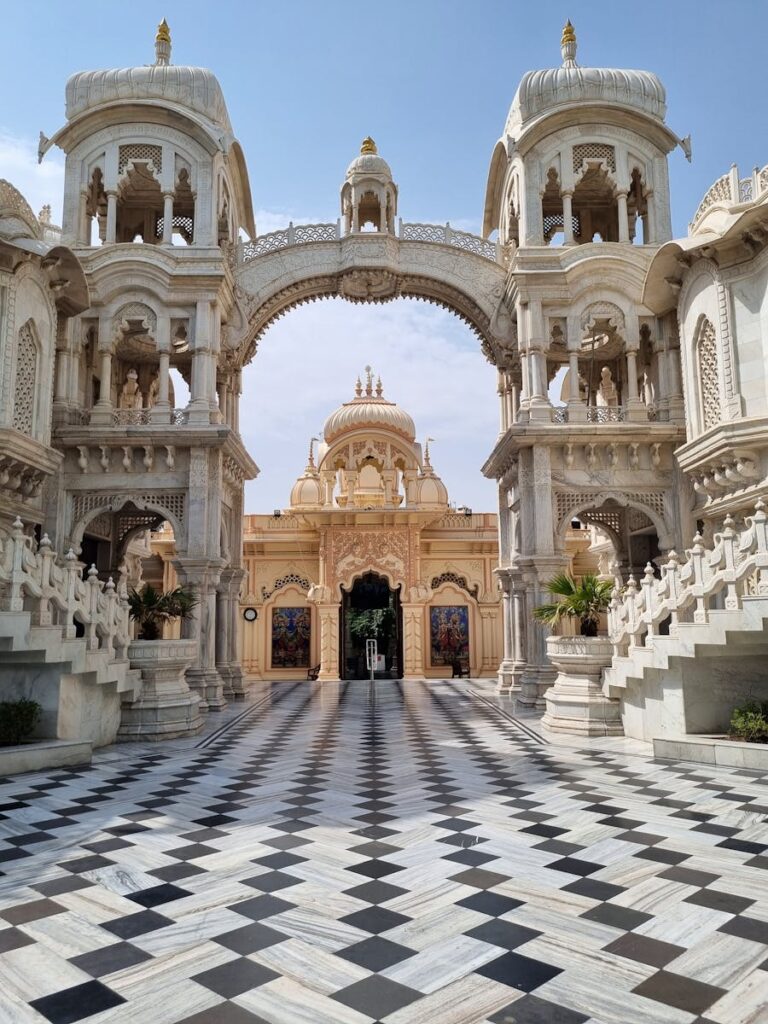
413, 641
227, 622
202, 577
567, 219
236, 680
636, 410
168, 218
621, 202
329, 640
111, 217
487, 619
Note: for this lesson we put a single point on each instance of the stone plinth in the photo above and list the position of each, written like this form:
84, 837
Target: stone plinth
575, 702
166, 708
44, 754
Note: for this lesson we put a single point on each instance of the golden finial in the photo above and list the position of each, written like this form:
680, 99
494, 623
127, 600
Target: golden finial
368, 146
163, 44
568, 45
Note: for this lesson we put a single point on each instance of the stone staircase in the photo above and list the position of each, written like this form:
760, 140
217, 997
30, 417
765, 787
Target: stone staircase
691, 645
80, 680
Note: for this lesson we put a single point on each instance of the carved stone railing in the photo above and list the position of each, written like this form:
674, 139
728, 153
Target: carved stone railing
606, 413
731, 190
719, 578
595, 414
444, 234
304, 234
129, 417
34, 579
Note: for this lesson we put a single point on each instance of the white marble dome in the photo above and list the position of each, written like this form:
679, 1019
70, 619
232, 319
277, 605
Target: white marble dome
367, 409
369, 164
542, 92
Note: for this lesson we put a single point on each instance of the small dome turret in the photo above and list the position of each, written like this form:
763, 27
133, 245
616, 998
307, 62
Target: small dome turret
307, 492
369, 195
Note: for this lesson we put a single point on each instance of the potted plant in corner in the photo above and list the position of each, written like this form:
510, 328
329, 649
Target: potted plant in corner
575, 702
165, 707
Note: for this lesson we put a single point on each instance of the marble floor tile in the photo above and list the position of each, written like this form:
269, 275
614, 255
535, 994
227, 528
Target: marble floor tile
407, 853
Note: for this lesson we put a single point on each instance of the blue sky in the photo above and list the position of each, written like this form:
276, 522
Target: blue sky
432, 81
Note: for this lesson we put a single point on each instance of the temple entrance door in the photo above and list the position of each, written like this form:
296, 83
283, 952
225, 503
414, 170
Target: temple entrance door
371, 609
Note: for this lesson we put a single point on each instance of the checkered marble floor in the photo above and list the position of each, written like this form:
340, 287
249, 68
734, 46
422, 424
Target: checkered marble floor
403, 853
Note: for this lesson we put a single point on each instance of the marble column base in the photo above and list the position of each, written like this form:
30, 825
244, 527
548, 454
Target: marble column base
235, 687
535, 680
208, 684
509, 678
576, 704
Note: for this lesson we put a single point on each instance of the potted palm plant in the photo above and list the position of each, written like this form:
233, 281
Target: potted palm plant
575, 702
150, 609
585, 600
165, 707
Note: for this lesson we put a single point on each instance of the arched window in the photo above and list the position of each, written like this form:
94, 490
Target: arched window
24, 385
709, 374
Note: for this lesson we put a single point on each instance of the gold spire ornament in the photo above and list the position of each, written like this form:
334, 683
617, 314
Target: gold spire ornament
163, 44
568, 45
368, 147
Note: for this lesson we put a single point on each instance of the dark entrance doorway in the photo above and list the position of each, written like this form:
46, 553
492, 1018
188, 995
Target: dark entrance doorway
371, 609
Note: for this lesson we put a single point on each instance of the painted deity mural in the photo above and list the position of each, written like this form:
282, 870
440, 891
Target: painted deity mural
449, 634
291, 633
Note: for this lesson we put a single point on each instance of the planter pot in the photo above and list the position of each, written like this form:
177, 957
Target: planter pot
575, 702
166, 708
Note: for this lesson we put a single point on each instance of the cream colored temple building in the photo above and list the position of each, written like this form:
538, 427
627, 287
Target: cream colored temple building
369, 526
658, 442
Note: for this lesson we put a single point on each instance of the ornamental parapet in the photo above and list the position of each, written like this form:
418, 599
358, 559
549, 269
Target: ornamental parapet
304, 234
729, 191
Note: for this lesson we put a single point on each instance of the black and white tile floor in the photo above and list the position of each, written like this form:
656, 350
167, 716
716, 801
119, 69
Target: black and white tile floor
404, 854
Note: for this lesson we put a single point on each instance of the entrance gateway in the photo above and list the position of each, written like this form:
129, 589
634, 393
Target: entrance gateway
149, 274
371, 611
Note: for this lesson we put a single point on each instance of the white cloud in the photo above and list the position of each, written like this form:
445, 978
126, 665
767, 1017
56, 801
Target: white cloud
38, 183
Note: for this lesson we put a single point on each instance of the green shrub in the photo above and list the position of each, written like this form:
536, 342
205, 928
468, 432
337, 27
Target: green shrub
18, 719
749, 722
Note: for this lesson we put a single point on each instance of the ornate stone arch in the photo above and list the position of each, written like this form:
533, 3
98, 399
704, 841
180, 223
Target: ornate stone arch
376, 269
569, 506
603, 309
86, 507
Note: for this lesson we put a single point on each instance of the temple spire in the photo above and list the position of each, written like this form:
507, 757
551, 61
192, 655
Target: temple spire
568, 45
163, 45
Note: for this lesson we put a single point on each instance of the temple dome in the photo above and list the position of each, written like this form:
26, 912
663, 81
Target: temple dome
369, 163
193, 89
542, 92
369, 409
16, 217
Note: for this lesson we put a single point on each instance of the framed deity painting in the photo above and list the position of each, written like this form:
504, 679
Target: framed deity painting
449, 634
291, 634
